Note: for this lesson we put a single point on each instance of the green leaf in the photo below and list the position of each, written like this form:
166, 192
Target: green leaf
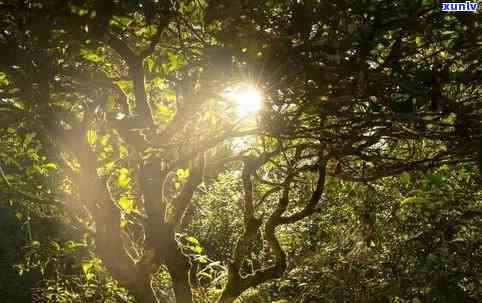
418, 40
201, 260
3, 79
405, 178
158, 82
149, 64
55, 245
168, 95
123, 152
163, 113
71, 245
123, 180
196, 249
414, 201
192, 240
173, 60
50, 166
436, 180
123, 21
20, 269
182, 174
104, 140
86, 268
126, 204
91, 136
91, 56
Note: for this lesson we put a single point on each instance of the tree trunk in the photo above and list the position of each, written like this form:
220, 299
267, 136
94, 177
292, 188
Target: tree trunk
143, 293
182, 288
229, 295
178, 266
163, 243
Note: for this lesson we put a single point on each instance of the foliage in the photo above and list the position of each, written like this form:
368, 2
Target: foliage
385, 249
133, 176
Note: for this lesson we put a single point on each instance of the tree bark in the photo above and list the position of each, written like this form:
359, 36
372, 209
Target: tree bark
167, 251
142, 291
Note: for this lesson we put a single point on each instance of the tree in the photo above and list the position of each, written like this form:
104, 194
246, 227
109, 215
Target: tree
126, 100
400, 239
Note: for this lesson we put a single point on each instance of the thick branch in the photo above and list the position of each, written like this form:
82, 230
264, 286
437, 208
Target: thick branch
121, 48
182, 201
396, 169
150, 179
136, 71
310, 208
234, 286
207, 144
94, 193
237, 284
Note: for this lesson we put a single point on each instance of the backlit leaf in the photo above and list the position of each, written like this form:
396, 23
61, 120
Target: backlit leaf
126, 204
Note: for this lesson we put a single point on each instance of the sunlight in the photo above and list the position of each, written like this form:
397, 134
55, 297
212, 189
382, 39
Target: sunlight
247, 98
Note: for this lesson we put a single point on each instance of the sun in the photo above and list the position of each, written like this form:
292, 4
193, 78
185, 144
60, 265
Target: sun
248, 99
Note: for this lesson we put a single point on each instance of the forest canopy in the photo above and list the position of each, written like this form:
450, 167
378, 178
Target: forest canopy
240, 151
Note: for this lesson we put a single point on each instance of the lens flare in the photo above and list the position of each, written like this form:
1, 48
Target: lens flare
248, 99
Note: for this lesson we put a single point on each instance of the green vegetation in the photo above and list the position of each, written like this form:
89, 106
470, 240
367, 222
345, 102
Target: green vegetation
136, 166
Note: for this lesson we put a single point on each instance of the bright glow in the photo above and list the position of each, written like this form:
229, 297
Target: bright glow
248, 99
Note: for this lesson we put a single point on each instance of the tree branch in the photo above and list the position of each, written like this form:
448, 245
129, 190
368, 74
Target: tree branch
136, 71
183, 200
310, 208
